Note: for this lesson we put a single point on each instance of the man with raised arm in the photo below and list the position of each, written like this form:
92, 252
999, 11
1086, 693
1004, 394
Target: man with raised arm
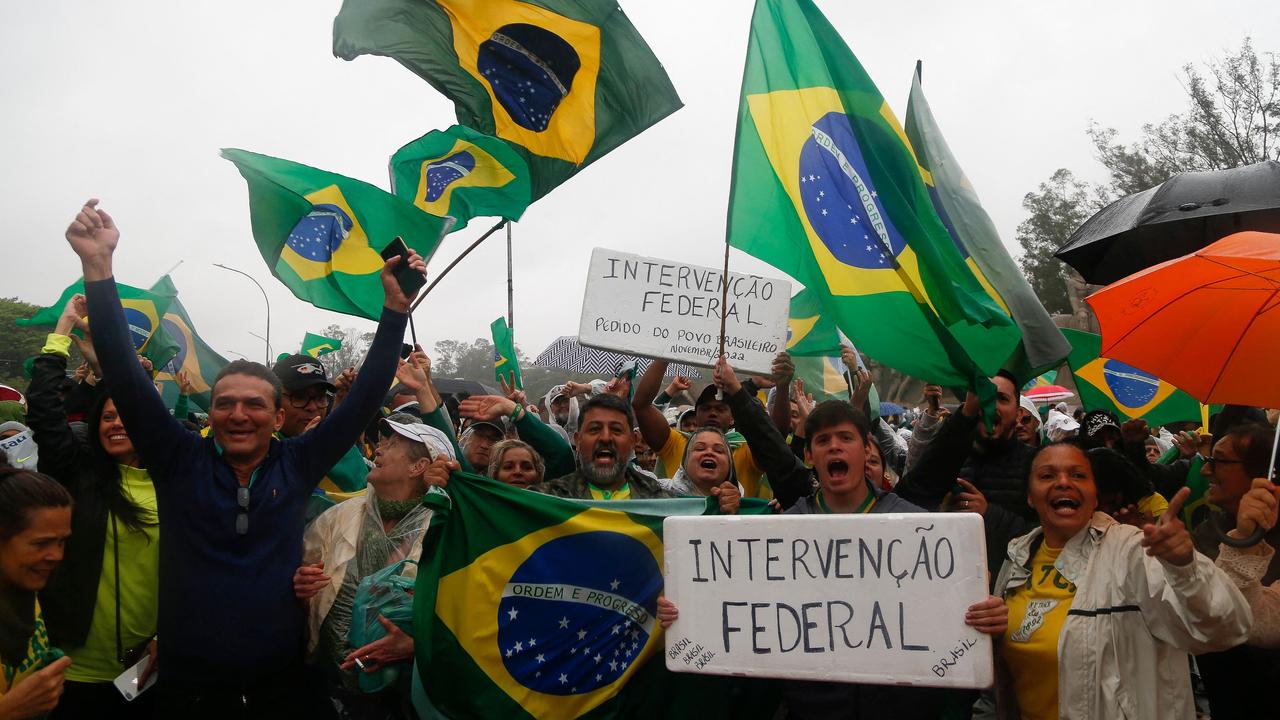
230, 629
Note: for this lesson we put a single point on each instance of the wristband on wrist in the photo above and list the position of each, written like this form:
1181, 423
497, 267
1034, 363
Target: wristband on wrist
517, 413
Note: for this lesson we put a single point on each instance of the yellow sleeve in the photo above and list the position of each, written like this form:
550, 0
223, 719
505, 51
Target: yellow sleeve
671, 453
1153, 505
57, 344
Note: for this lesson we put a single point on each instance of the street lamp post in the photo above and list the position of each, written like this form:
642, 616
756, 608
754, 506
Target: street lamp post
267, 339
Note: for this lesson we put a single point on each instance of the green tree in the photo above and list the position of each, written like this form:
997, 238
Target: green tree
19, 343
1055, 210
1232, 118
351, 354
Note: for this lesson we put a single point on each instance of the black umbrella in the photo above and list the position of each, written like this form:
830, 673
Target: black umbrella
454, 386
1175, 218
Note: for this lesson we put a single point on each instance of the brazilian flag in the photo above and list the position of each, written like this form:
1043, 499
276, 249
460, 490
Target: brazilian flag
563, 81
460, 173
532, 606
194, 356
978, 242
506, 366
317, 345
321, 233
826, 189
1107, 384
143, 310
1048, 378
809, 333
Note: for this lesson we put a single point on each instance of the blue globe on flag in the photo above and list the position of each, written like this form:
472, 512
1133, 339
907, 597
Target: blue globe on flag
1131, 387
530, 70
318, 236
839, 199
179, 338
139, 326
446, 171
578, 612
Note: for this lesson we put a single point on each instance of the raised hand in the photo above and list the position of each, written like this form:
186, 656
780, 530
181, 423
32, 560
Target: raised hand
862, 390
782, 370
1135, 431
185, 386
1257, 508
395, 297
1188, 444
725, 378
970, 500
667, 612
411, 374
438, 472
486, 407
678, 384
1168, 539
509, 389
93, 236
73, 314
933, 398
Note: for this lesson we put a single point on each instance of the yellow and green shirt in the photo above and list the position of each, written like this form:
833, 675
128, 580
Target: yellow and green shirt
1030, 647
95, 661
37, 647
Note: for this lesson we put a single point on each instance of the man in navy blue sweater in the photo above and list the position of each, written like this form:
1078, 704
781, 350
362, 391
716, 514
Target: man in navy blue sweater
231, 505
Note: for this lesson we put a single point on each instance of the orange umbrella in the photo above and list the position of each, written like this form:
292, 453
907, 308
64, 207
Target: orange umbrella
1208, 322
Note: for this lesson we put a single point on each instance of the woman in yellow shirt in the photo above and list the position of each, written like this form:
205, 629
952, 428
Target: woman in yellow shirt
1102, 615
35, 522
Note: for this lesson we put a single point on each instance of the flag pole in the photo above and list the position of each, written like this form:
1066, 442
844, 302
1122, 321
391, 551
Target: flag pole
724, 296
511, 312
456, 260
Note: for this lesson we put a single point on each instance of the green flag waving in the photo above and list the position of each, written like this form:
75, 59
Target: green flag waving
1042, 347
825, 189
543, 607
320, 233
317, 345
1107, 384
462, 174
194, 358
564, 81
506, 367
143, 311
809, 332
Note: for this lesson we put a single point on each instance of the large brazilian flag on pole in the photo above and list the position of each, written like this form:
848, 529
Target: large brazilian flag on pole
826, 189
563, 81
533, 606
1043, 347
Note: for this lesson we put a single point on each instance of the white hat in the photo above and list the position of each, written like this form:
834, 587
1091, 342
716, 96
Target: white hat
1029, 406
436, 441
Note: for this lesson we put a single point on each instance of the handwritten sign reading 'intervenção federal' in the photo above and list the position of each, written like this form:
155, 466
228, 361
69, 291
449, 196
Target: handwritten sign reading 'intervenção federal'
667, 309
877, 598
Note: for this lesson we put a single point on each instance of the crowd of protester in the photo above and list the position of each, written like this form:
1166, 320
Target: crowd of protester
1110, 597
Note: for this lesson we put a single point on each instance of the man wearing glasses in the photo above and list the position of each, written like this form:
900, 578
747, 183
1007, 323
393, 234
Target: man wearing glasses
306, 392
232, 505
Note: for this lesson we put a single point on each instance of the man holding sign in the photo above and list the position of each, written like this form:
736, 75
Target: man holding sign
837, 451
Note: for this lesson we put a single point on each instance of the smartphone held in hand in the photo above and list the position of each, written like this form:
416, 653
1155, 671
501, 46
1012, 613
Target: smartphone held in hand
410, 280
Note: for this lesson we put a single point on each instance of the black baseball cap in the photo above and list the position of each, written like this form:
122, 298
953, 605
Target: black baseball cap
707, 395
299, 372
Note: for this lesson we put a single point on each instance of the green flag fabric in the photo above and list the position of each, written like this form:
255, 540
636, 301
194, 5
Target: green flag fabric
505, 365
460, 173
143, 310
825, 188
1107, 384
194, 356
515, 586
317, 345
321, 233
563, 81
1043, 347
809, 332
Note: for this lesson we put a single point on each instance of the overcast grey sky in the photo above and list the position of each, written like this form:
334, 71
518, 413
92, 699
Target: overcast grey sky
130, 102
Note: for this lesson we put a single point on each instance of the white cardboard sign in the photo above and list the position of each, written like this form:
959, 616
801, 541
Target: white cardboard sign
668, 309
874, 598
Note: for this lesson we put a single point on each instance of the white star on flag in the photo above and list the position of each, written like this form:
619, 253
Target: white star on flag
582, 634
512, 613
564, 679
541, 658
614, 585
564, 623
